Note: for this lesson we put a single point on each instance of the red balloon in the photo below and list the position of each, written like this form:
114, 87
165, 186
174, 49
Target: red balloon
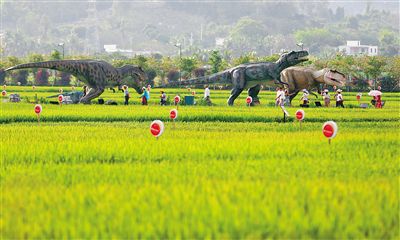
177, 99
173, 114
328, 131
3, 93
60, 98
249, 100
300, 115
38, 108
155, 129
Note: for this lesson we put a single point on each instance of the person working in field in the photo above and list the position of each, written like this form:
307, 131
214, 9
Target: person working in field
145, 96
126, 94
280, 97
304, 98
207, 95
163, 98
326, 97
339, 98
287, 98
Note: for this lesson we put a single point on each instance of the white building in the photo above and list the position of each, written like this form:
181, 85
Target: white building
355, 48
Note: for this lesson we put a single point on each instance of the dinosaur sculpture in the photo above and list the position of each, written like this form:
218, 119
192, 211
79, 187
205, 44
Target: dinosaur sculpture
96, 74
299, 78
249, 75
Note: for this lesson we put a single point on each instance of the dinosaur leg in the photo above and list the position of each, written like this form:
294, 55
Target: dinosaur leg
234, 94
293, 95
253, 92
238, 80
93, 93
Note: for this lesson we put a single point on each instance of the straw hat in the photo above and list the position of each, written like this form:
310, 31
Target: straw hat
326, 90
339, 90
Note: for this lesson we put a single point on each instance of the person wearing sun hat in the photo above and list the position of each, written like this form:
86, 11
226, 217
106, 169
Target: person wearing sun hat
339, 98
126, 94
326, 97
305, 97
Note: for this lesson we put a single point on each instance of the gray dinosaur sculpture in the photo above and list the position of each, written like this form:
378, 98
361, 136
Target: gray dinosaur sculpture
249, 76
98, 75
299, 78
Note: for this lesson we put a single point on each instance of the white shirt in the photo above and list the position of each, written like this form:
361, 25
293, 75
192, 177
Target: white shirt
305, 96
339, 97
282, 95
206, 92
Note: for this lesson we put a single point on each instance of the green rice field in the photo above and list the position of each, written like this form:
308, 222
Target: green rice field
95, 171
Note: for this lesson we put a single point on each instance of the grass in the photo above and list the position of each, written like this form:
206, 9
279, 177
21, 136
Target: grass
221, 172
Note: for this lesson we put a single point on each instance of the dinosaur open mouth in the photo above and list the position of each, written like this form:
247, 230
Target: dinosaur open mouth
303, 58
335, 80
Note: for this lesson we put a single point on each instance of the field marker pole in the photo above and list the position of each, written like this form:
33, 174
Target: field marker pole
38, 118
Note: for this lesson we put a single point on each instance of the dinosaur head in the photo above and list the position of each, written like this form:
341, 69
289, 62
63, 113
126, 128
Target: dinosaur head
292, 58
133, 76
334, 78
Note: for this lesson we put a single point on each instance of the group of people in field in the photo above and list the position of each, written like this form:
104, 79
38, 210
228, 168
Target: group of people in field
283, 97
145, 97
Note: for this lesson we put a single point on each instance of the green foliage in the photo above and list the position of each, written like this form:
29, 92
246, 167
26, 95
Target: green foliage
390, 42
316, 38
95, 171
215, 61
187, 65
55, 55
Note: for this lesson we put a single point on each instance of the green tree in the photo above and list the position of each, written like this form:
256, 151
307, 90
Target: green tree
215, 61
247, 35
373, 66
187, 65
317, 38
389, 43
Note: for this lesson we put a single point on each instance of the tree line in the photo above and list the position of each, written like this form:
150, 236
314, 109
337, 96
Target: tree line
363, 72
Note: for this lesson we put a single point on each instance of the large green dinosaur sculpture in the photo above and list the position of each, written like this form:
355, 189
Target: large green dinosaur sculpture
299, 78
96, 74
249, 75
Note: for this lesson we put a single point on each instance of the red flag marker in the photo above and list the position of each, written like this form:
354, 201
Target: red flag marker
156, 128
249, 100
330, 129
38, 110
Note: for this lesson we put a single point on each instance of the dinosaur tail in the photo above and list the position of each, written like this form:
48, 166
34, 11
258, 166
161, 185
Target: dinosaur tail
221, 77
61, 65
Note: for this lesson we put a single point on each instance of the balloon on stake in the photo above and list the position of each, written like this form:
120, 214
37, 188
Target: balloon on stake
4, 93
60, 99
173, 114
300, 114
329, 129
177, 99
249, 100
156, 128
38, 110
